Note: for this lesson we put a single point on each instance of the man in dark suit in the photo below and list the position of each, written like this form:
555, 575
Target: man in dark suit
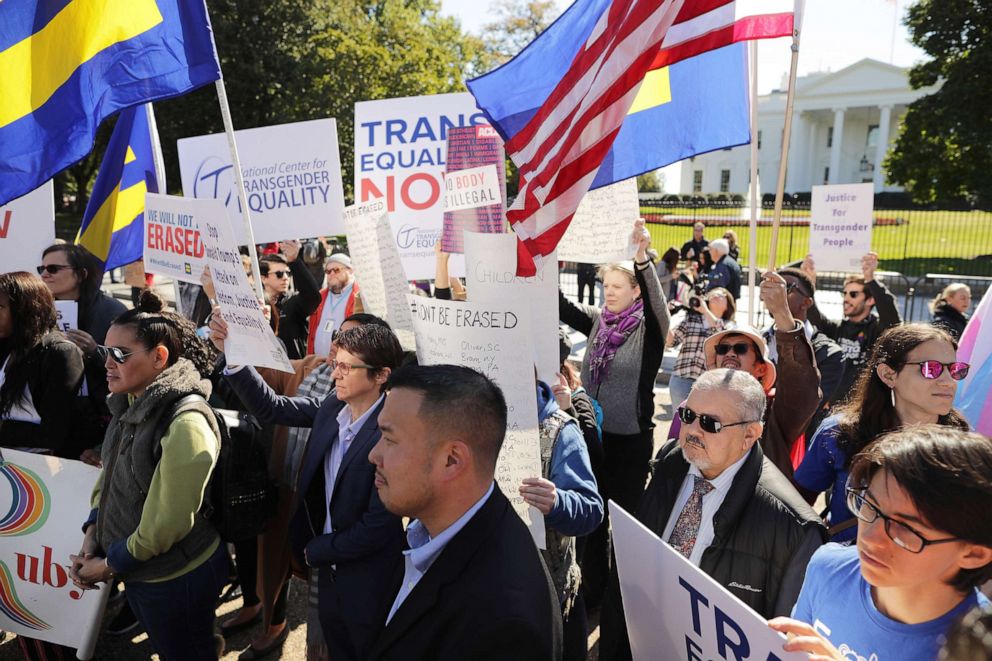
473, 583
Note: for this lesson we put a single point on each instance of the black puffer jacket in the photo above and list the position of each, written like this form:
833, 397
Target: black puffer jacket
764, 537
949, 319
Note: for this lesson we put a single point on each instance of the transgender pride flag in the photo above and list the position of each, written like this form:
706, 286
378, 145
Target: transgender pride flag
975, 347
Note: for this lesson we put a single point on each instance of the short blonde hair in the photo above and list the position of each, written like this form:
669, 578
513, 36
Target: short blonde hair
617, 267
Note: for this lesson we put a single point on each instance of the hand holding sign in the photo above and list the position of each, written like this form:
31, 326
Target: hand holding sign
804, 638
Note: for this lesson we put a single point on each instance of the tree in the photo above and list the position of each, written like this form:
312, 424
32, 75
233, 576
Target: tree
518, 22
649, 182
944, 148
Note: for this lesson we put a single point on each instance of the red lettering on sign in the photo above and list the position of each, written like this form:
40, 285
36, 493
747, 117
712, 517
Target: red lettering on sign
435, 191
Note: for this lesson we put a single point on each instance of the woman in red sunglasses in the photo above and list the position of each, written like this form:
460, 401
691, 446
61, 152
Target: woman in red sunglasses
911, 379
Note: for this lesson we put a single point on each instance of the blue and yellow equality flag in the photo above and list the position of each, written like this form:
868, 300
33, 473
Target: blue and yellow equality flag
691, 107
113, 226
66, 65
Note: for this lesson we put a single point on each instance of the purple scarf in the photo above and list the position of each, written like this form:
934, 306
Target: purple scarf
614, 329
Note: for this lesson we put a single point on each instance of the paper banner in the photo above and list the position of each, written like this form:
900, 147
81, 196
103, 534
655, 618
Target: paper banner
67, 315
173, 241
840, 226
600, 230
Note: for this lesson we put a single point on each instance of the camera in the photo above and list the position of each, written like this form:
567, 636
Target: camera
695, 300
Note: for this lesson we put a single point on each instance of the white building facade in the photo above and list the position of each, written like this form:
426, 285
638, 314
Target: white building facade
843, 125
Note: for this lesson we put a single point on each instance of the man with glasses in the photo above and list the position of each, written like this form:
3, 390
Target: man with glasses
859, 330
289, 311
338, 301
922, 497
718, 501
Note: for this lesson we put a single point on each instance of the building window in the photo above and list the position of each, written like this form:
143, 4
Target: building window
830, 136
697, 181
872, 139
724, 181
759, 139
826, 175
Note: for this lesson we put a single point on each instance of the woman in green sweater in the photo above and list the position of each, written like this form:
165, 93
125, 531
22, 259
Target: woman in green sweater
147, 525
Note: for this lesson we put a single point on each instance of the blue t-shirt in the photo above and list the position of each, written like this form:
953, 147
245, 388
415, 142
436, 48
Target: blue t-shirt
837, 601
823, 468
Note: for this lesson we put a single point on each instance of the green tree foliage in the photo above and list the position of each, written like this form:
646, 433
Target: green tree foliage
517, 23
648, 183
944, 148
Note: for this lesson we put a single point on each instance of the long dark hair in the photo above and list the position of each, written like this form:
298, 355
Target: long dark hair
32, 314
869, 413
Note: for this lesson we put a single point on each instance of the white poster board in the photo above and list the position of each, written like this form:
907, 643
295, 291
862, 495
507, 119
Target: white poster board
27, 227
378, 268
601, 229
46, 501
676, 611
400, 147
490, 278
490, 339
472, 188
250, 340
292, 175
67, 315
173, 240
840, 226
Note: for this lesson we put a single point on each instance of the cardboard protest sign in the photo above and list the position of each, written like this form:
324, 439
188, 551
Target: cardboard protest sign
67, 315
490, 339
490, 278
250, 340
473, 204
173, 240
27, 227
840, 226
378, 268
400, 156
292, 176
675, 611
600, 230
46, 500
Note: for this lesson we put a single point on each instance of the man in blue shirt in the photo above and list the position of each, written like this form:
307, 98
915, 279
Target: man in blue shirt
922, 497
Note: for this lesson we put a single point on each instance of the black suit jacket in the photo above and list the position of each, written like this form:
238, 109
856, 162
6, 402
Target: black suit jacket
487, 596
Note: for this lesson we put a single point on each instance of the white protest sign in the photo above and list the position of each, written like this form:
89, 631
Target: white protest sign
400, 147
46, 500
490, 278
67, 315
676, 611
840, 226
292, 175
27, 227
600, 229
378, 268
490, 339
173, 240
472, 188
250, 340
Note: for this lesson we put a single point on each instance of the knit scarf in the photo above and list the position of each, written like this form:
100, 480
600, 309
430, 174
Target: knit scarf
614, 329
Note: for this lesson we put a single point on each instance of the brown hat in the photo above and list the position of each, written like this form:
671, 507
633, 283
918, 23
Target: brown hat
709, 350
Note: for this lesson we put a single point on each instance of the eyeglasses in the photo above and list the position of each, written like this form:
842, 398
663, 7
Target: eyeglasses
280, 274
52, 269
853, 293
118, 355
334, 270
707, 423
904, 536
345, 368
932, 369
740, 348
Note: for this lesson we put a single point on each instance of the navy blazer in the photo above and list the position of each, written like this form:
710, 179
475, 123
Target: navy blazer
355, 559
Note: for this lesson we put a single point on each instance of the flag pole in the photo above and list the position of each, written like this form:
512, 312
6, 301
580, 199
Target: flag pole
786, 135
159, 164
752, 257
225, 111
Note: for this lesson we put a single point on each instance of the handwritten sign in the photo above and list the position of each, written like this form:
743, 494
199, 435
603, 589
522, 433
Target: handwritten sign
676, 611
600, 229
378, 268
840, 226
173, 242
490, 339
27, 227
490, 277
250, 340
67, 315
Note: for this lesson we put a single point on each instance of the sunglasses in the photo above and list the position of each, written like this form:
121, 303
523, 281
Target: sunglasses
331, 271
280, 274
853, 293
707, 423
793, 287
932, 369
52, 269
740, 348
118, 355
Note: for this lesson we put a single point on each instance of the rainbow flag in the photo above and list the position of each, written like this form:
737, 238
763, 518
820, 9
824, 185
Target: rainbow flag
975, 348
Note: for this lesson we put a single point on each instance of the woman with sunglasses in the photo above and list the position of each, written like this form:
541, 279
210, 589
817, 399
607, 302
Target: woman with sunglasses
911, 379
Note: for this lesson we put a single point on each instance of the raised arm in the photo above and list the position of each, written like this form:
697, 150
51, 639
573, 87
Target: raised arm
656, 307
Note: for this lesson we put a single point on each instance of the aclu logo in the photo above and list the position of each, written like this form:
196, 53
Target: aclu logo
215, 178
411, 236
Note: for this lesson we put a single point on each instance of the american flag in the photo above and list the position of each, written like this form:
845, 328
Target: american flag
559, 151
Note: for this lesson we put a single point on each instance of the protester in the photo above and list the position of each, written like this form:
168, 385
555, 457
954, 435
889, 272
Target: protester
290, 311
357, 538
717, 500
40, 372
715, 312
730, 236
924, 546
695, 247
860, 329
472, 584
725, 272
340, 299
672, 282
446, 288
586, 275
147, 525
566, 494
910, 380
950, 308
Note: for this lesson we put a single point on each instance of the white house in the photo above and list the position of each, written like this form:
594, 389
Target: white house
842, 127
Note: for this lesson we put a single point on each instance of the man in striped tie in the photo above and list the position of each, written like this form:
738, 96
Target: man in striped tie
718, 501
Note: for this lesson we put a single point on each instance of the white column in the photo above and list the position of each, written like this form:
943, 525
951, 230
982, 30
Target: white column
835, 148
812, 176
882, 146
797, 154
